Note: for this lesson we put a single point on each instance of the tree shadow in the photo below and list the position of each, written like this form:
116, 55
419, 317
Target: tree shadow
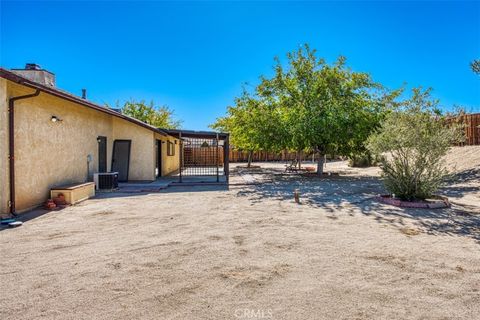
454, 221
467, 175
349, 194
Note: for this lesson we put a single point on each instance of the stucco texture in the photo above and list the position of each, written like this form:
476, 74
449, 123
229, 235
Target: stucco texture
142, 152
170, 164
4, 192
55, 153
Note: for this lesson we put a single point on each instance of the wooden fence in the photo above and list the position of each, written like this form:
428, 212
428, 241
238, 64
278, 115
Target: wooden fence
472, 137
242, 156
202, 156
472, 128
206, 156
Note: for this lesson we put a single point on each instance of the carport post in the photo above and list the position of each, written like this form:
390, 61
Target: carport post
216, 156
180, 158
226, 159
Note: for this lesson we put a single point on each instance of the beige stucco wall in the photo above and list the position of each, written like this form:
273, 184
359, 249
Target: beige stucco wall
170, 164
55, 153
142, 149
4, 192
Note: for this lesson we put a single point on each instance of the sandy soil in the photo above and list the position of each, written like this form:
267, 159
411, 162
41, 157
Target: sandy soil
464, 185
249, 252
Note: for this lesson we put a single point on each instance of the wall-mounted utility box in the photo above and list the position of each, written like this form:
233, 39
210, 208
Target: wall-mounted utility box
74, 193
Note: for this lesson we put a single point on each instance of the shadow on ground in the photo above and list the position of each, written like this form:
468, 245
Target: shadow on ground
38, 212
171, 189
466, 175
27, 216
459, 184
349, 194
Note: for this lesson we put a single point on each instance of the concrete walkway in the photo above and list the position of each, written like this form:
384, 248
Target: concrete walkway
165, 182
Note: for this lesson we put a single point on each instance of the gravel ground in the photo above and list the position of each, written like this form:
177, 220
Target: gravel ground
249, 252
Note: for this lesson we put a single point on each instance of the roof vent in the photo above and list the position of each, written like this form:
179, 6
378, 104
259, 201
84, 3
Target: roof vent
32, 66
35, 73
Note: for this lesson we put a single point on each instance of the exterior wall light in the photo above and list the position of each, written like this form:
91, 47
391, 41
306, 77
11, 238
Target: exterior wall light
55, 119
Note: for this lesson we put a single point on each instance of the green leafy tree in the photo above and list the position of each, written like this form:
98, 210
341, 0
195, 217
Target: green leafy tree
160, 117
382, 104
414, 138
324, 108
308, 105
250, 125
475, 65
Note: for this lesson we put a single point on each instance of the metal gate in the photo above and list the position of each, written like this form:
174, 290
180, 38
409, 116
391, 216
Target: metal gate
203, 156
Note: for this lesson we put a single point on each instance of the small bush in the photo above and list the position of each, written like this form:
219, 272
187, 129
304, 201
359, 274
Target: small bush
415, 138
363, 160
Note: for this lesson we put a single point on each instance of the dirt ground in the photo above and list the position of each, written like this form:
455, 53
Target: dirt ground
251, 252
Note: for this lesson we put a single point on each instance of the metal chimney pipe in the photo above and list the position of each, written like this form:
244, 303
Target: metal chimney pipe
84, 93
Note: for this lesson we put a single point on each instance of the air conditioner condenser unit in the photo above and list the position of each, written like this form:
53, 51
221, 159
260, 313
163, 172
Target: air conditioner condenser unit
105, 180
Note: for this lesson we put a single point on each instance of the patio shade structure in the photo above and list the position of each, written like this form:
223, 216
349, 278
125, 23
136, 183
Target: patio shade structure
204, 156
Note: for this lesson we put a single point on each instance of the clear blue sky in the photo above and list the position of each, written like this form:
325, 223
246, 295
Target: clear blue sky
194, 57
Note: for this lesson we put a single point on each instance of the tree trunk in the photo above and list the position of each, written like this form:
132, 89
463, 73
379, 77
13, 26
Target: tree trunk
299, 158
320, 164
322, 158
250, 154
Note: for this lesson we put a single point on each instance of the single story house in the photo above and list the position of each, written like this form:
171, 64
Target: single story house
49, 137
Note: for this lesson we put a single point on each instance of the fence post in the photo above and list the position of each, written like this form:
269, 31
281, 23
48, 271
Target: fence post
180, 158
216, 155
227, 161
